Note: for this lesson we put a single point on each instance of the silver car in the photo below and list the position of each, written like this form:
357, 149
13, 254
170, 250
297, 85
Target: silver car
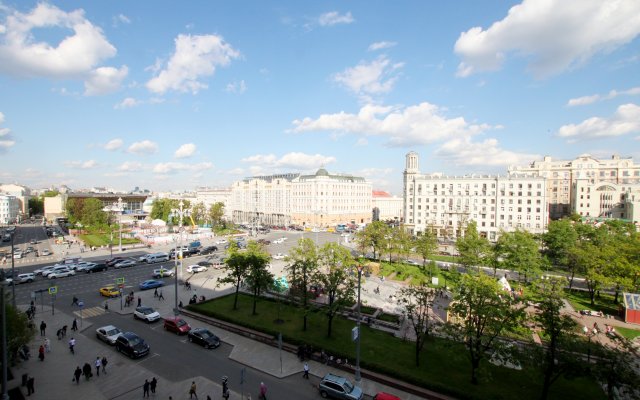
61, 273
108, 334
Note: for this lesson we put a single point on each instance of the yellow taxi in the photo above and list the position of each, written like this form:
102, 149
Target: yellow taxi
110, 291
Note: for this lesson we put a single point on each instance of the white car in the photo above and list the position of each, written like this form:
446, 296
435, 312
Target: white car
108, 334
278, 256
41, 271
81, 266
196, 268
163, 272
222, 241
278, 241
26, 277
146, 314
61, 273
17, 254
45, 252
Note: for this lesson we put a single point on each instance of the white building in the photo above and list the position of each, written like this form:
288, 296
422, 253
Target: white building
386, 207
318, 200
562, 175
209, 197
603, 200
9, 209
22, 193
446, 204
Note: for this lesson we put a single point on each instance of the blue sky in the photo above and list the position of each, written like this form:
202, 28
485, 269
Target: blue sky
175, 95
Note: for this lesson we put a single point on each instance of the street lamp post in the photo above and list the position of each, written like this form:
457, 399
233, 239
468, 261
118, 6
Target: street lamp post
5, 395
13, 271
358, 377
120, 211
589, 335
179, 212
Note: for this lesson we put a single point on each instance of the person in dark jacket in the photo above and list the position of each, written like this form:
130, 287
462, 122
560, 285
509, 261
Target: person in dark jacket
77, 374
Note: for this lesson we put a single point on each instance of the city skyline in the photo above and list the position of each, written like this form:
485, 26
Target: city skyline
145, 94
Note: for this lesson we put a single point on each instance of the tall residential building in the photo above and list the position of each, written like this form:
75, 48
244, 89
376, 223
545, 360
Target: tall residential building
562, 176
318, 200
210, 196
446, 204
21, 193
9, 209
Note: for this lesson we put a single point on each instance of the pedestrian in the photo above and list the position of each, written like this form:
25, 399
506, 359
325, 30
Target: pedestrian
86, 370
59, 334
74, 325
155, 293
106, 306
43, 328
192, 391
139, 301
75, 301
160, 296
64, 331
263, 391
41, 353
30, 389
77, 374
104, 364
98, 365
306, 371
145, 388
72, 345
47, 345
154, 382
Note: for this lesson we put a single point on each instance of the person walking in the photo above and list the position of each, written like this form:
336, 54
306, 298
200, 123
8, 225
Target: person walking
47, 345
43, 328
98, 364
104, 364
139, 301
75, 301
77, 374
145, 388
263, 391
74, 325
192, 391
160, 296
86, 370
30, 383
306, 371
155, 292
72, 345
154, 382
41, 353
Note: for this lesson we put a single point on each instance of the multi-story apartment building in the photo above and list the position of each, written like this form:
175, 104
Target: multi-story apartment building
210, 196
603, 199
9, 209
317, 200
21, 193
562, 175
386, 207
446, 204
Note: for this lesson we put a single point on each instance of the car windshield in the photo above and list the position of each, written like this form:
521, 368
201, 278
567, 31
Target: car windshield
147, 311
181, 322
113, 331
135, 341
348, 386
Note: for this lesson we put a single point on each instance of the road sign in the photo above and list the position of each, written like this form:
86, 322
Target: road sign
53, 290
354, 333
120, 281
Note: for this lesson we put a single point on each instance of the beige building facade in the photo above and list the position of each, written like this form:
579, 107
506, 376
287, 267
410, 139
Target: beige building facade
446, 204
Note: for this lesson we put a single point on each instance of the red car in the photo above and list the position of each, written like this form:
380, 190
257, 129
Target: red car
177, 325
385, 396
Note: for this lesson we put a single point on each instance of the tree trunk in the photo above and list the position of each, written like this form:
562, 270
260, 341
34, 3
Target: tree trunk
418, 339
255, 300
475, 364
573, 273
329, 325
235, 300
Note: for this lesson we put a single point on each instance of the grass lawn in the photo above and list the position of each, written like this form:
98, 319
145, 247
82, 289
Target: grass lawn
444, 366
579, 299
103, 239
628, 332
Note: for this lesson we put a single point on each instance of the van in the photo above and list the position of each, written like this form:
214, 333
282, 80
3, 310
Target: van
157, 257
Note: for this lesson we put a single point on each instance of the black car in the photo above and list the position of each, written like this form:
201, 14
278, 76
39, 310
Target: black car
112, 261
132, 345
203, 337
96, 268
208, 250
205, 263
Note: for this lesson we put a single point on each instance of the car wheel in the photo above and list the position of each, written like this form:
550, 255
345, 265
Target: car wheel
135, 316
324, 394
30, 280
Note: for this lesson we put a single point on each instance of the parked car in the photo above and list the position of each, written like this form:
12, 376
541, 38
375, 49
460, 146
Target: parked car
132, 345
61, 273
146, 314
113, 261
279, 256
55, 268
108, 334
157, 257
163, 272
18, 254
124, 264
81, 266
25, 278
110, 291
45, 252
278, 241
205, 263
385, 396
222, 241
96, 267
177, 325
204, 337
339, 387
411, 262
193, 269
208, 250
150, 284
42, 270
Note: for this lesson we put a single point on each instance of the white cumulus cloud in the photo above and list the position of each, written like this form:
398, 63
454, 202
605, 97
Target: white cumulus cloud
113, 144
237, 87
195, 57
76, 56
553, 35
370, 78
414, 125
465, 152
624, 121
334, 17
381, 45
127, 102
130, 166
185, 151
291, 161
584, 100
105, 80
144, 147
175, 167
6, 139
89, 164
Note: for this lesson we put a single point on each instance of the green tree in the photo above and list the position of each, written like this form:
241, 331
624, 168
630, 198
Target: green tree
426, 246
19, 331
482, 312
216, 212
93, 214
560, 238
416, 302
236, 270
374, 237
50, 193
591, 260
161, 208
472, 247
519, 251
199, 213
36, 206
401, 241
302, 264
617, 369
339, 287
258, 277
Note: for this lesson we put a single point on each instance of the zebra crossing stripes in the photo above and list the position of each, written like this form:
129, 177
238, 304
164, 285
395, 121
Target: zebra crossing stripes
90, 312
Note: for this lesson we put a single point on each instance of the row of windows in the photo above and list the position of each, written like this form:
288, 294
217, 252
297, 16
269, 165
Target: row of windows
483, 224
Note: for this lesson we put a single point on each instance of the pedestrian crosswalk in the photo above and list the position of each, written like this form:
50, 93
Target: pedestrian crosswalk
90, 312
